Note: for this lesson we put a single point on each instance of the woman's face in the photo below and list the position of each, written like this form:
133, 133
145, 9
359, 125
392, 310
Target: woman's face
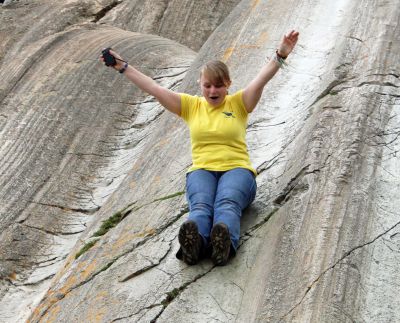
213, 93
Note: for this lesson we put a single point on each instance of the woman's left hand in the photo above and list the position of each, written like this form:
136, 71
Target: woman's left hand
288, 43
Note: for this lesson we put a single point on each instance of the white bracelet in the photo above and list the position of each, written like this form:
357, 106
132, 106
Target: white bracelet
279, 60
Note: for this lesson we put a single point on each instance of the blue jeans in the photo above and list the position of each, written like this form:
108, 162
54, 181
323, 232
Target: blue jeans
216, 197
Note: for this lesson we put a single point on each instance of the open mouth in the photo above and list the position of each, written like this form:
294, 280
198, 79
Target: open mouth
214, 98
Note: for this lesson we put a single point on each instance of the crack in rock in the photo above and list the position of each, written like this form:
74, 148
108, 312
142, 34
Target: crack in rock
356, 38
329, 89
53, 233
100, 14
345, 255
147, 268
388, 94
169, 76
173, 294
64, 208
266, 166
60, 296
256, 127
378, 83
249, 232
138, 312
168, 67
285, 195
220, 307
37, 283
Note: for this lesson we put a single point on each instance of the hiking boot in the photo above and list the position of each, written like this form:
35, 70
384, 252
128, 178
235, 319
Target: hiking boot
221, 244
190, 241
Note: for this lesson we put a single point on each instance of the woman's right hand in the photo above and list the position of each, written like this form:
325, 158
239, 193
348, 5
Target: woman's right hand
168, 98
119, 61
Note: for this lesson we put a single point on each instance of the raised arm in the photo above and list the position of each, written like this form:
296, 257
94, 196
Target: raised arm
252, 92
167, 98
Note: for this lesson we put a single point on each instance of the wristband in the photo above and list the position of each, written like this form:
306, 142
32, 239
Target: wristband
123, 69
279, 59
280, 56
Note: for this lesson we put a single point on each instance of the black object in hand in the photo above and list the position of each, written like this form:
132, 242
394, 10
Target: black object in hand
109, 59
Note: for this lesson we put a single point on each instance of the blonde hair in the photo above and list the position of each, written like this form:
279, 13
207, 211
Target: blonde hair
216, 72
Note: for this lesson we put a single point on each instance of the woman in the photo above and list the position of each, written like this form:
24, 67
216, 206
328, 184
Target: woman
221, 181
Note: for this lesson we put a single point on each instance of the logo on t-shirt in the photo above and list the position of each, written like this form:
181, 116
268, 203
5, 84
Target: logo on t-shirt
228, 114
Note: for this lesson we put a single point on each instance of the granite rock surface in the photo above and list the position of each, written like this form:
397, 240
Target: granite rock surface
92, 170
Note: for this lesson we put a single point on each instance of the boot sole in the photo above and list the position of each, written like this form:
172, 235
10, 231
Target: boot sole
221, 244
190, 242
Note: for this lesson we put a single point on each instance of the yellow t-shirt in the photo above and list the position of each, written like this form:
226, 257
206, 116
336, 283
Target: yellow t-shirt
218, 134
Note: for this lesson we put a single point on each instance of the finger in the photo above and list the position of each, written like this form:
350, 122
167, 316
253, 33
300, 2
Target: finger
290, 35
293, 37
115, 54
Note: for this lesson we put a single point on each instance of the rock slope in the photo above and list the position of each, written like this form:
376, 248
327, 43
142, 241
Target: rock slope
93, 170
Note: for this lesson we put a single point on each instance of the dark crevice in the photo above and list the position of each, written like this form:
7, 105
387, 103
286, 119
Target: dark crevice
148, 122
388, 74
9, 281
345, 255
334, 108
85, 248
99, 15
31, 263
146, 268
160, 18
53, 233
329, 90
174, 85
173, 294
168, 67
141, 270
60, 296
385, 144
268, 164
90, 154
249, 232
224, 312
67, 209
141, 310
116, 218
389, 94
169, 76
146, 100
378, 83
170, 196
39, 281
285, 195
355, 38
255, 127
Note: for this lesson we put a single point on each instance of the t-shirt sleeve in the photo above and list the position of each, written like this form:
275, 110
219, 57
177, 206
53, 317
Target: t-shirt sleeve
188, 103
237, 101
